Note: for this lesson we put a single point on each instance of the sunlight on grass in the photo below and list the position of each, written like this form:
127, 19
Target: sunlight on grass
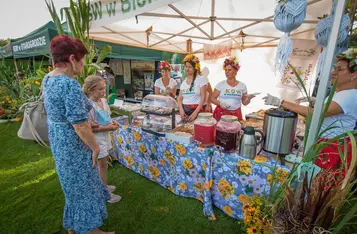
24, 168
35, 181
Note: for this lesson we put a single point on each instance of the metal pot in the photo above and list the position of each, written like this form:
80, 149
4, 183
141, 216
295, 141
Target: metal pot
279, 131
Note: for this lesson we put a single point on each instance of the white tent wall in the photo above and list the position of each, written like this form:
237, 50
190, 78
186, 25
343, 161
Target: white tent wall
257, 72
168, 28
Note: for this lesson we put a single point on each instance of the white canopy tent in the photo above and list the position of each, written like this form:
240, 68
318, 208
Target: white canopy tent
214, 22
205, 22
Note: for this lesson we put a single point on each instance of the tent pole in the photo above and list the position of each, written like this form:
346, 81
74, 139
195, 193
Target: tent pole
189, 20
277, 38
258, 22
175, 43
262, 20
172, 44
126, 32
189, 36
178, 34
352, 15
325, 74
16, 68
220, 25
245, 47
136, 32
131, 44
243, 27
123, 35
212, 19
149, 14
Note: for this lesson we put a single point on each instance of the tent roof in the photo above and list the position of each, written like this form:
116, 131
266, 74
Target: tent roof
48, 31
35, 43
208, 22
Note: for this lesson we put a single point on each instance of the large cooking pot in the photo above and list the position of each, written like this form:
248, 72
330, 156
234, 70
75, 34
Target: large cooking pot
279, 130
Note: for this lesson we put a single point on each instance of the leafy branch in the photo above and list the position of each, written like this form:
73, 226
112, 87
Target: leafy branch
78, 21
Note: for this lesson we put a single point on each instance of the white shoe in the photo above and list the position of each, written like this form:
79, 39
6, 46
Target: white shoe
114, 198
111, 188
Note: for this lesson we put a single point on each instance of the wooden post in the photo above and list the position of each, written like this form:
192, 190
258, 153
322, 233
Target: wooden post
189, 46
212, 18
352, 15
16, 68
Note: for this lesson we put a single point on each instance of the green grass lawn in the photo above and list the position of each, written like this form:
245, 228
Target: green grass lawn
32, 200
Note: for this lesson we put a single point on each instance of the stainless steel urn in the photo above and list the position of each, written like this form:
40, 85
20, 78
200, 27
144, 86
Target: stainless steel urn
279, 130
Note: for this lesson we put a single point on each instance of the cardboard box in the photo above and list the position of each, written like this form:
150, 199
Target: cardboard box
180, 139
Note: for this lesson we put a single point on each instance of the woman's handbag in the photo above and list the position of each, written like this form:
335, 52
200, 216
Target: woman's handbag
34, 124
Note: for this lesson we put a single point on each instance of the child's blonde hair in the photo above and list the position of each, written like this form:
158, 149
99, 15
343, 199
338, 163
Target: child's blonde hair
90, 83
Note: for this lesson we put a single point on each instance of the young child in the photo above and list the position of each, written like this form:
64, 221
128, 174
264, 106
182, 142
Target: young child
95, 88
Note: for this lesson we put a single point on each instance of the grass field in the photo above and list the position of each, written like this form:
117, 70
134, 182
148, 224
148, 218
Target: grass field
32, 200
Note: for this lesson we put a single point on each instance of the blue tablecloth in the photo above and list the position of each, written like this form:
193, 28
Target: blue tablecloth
206, 174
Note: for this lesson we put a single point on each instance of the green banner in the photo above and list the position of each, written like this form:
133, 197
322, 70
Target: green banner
36, 43
106, 12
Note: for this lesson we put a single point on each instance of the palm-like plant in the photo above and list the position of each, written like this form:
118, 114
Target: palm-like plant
77, 15
314, 206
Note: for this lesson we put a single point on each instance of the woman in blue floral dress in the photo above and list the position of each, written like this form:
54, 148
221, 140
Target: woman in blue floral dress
72, 142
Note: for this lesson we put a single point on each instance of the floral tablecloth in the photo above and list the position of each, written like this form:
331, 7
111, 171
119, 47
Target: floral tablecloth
208, 175
235, 179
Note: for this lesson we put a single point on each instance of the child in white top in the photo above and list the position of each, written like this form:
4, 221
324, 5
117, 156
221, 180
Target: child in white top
95, 88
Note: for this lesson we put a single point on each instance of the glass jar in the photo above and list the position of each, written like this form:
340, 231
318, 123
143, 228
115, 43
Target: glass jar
228, 132
205, 129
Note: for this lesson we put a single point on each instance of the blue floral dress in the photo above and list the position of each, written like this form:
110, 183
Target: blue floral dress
85, 193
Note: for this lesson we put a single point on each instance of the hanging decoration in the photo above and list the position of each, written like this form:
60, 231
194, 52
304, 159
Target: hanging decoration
322, 33
288, 16
303, 58
215, 51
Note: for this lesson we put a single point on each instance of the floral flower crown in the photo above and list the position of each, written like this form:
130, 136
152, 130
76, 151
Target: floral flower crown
194, 59
233, 61
164, 65
349, 55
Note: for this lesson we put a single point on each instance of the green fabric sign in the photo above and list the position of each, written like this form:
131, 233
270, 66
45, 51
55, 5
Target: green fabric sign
36, 43
106, 12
